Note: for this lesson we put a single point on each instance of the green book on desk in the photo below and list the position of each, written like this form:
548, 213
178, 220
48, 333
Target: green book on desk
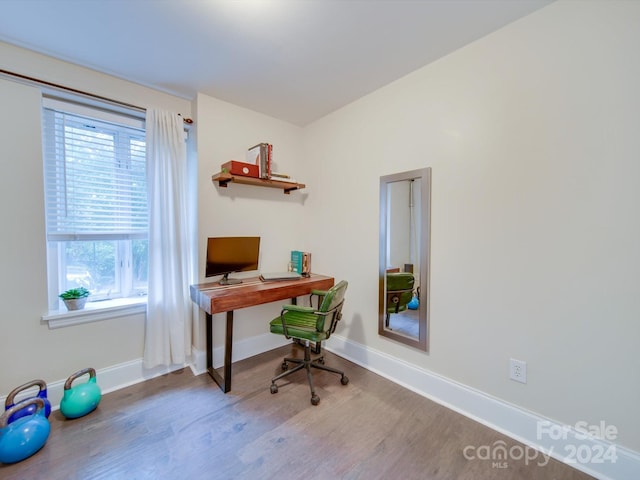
301, 262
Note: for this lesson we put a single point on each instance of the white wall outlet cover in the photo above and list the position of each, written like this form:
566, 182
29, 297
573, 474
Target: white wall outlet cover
518, 370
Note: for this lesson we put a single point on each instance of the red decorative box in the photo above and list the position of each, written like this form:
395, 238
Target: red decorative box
240, 168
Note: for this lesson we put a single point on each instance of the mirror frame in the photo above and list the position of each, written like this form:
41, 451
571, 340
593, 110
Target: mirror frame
422, 175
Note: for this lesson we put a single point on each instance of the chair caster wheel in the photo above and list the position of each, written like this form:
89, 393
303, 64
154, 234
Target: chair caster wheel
315, 400
274, 388
284, 366
344, 380
321, 360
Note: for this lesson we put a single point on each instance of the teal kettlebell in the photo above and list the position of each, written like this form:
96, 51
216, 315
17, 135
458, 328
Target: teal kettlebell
81, 399
26, 435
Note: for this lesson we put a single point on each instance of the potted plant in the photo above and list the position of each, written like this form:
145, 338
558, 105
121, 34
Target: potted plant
75, 298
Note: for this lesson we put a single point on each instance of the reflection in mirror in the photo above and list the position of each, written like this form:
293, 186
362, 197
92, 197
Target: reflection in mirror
403, 303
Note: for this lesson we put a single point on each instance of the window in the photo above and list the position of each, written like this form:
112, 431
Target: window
96, 202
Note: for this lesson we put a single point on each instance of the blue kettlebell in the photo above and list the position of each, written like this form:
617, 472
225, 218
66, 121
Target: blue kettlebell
26, 435
414, 303
82, 399
31, 409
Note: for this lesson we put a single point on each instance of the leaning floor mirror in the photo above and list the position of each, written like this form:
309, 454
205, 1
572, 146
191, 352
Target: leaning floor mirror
405, 214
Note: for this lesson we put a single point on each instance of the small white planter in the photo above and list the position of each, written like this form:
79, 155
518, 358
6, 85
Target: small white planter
75, 303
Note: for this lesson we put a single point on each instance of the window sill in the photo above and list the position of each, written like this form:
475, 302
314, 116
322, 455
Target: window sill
96, 311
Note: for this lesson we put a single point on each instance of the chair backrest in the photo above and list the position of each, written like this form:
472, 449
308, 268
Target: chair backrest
332, 302
399, 290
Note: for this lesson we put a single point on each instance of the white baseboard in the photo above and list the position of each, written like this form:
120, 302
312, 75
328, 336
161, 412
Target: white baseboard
108, 379
242, 349
602, 459
198, 361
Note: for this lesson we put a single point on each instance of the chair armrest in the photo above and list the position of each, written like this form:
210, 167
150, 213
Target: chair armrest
322, 293
298, 308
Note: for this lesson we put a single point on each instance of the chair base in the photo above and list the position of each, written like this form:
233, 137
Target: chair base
307, 364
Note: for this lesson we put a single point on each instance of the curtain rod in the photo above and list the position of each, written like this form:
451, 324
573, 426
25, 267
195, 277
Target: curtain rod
81, 92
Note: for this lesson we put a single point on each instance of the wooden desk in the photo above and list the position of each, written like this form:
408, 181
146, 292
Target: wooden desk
216, 298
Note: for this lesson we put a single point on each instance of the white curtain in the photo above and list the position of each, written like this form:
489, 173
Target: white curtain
168, 323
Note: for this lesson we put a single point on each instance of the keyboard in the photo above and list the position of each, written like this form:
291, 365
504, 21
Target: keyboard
276, 276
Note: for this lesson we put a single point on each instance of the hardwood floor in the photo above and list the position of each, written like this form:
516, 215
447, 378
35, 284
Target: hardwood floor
406, 323
183, 427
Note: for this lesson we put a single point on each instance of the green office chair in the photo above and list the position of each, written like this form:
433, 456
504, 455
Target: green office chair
399, 292
310, 325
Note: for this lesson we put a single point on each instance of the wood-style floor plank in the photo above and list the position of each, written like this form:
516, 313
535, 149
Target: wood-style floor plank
178, 426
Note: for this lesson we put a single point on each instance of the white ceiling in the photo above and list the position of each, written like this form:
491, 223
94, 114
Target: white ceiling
296, 60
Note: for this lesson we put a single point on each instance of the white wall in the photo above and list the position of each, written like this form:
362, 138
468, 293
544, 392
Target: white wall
225, 132
28, 348
532, 134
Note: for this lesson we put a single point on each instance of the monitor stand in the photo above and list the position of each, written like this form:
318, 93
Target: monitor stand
225, 280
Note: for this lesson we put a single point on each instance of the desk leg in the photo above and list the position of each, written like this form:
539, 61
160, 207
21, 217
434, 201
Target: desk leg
208, 333
223, 382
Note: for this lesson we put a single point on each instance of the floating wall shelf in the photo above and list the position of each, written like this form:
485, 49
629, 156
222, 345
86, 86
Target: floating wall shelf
224, 178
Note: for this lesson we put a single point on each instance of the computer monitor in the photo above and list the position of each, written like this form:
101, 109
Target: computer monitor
226, 255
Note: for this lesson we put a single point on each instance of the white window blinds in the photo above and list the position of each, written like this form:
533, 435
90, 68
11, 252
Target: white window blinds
95, 178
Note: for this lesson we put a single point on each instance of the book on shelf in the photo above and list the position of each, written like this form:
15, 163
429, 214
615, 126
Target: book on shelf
240, 168
260, 155
281, 176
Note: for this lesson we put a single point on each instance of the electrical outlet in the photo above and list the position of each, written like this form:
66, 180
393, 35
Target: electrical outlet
518, 370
